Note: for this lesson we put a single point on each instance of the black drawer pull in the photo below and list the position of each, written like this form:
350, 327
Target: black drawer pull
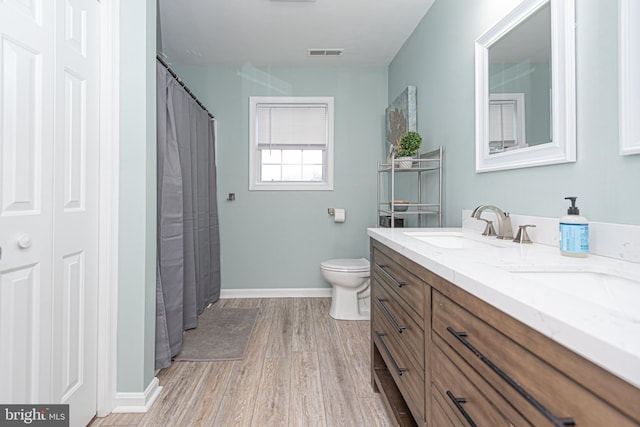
558, 422
395, 324
458, 402
398, 369
389, 276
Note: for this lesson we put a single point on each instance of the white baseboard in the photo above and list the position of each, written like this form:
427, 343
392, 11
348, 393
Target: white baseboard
276, 293
138, 402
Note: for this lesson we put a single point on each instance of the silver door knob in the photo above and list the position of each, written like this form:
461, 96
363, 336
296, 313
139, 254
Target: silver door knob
24, 241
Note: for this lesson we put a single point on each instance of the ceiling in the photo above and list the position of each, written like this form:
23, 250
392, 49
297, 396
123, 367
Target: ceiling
279, 33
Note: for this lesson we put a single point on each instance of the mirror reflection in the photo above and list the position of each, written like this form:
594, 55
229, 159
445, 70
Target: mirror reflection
525, 88
520, 106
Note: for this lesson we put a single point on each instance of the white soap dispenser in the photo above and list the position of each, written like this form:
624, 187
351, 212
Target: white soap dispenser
574, 232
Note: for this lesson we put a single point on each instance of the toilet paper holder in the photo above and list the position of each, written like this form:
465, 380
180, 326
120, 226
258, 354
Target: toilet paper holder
338, 214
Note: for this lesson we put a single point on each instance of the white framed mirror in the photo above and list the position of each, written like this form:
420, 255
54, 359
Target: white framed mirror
629, 90
528, 57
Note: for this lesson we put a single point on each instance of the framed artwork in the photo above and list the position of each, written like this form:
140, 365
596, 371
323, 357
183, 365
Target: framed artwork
401, 116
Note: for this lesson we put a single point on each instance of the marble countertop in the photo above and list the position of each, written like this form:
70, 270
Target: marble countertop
602, 325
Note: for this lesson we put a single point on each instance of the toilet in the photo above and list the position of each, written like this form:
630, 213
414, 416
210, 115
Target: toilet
349, 278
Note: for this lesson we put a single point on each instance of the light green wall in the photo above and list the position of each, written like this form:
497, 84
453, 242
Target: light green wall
137, 218
439, 59
278, 239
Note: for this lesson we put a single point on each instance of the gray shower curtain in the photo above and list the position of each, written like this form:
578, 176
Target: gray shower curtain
188, 243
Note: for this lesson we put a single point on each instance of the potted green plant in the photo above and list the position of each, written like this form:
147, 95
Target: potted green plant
407, 148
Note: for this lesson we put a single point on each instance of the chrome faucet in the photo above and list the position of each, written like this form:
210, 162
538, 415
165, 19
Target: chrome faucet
504, 221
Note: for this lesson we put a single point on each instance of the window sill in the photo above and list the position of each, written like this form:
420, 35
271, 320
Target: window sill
291, 186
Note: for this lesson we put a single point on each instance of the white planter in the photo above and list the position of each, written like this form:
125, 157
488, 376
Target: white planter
404, 162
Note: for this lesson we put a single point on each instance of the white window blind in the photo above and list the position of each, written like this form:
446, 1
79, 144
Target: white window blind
506, 122
503, 125
283, 126
502, 122
495, 122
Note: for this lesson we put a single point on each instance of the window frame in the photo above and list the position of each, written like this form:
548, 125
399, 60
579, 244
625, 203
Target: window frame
255, 183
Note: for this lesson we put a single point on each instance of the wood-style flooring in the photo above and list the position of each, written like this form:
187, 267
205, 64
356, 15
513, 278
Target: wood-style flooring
301, 368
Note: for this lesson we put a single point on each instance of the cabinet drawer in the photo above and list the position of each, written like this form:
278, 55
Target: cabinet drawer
545, 392
389, 309
456, 379
406, 285
408, 377
440, 416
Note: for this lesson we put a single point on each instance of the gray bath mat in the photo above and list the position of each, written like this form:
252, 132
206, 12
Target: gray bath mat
222, 334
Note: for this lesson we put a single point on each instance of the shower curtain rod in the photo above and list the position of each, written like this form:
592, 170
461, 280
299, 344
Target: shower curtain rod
181, 83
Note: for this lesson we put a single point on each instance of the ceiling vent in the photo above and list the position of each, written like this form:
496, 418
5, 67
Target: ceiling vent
325, 52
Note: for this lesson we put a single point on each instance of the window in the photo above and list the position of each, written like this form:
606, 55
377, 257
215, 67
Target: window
291, 143
506, 122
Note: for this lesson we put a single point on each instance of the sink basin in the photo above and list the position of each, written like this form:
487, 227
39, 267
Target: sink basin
453, 239
604, 288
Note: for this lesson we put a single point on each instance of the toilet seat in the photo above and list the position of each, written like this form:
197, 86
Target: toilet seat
346, 265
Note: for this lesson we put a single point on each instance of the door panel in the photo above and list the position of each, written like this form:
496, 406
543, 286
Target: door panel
75, 251
21, 128
20, 332
72, 327
75, 26
75, 142
31, 9
49, 144
26, 209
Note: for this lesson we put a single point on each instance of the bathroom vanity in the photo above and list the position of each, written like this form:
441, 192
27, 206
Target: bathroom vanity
459, 337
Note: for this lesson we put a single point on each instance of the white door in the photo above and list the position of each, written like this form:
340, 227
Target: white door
75, 208
26, 202
48, 192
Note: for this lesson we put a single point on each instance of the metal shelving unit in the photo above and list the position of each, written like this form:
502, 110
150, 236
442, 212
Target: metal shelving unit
425, 166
